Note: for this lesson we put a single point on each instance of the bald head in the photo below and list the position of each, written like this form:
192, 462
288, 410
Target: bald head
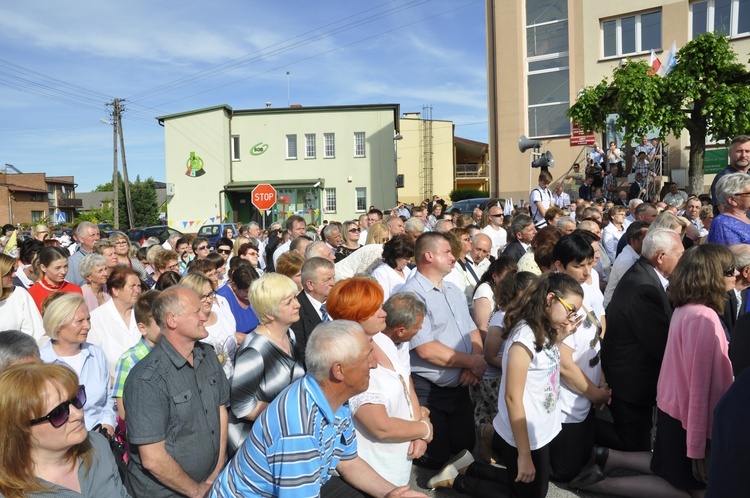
481, 246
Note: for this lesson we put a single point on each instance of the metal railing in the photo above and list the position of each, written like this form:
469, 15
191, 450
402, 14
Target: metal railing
472, 170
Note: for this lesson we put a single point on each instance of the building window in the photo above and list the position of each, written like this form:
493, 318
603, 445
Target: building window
309, 145
548, 76
330, 203
37, 197
235, 146
360, 195
37, 216
291, 146
632, 34
726, 17
359, 144
329, 145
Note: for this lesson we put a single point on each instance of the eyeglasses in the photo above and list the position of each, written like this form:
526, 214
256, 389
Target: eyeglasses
201, 248
60, 414
729, 272
224, 251
207, 297
353, 230
571, 310
251, 253
121, 243
741, 194
174, 267
497, 215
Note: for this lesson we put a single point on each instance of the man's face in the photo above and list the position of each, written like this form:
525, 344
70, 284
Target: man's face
408, 334
190, 322
298, 229
395, 226
613, 171
667, 261
357, 373
334, 238
253, 231
481, 249
569, 228
639, 178
739, 156
442, 258
527, 234
673, 188
623, 195
644, 140
363, 225
90, 237
476, 215
372, 218
692, 209
321, 284
649, 215
496, 216
637, 243
558, 190
302, 246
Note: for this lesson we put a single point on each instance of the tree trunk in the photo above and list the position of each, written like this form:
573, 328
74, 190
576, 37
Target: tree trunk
697, 132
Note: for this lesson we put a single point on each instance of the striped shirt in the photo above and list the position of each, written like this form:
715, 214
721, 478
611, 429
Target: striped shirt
293, 449
126, 362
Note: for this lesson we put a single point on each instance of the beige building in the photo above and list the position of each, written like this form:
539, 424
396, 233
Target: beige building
325, 162
542, 52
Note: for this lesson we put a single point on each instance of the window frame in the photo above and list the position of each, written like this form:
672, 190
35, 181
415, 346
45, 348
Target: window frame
357, 191
711, 19
329, 149
234, 146
357, 135
310, 147
292, 136
330, 200
639, 50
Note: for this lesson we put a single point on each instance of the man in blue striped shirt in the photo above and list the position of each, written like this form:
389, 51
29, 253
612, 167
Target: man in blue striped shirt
306, 433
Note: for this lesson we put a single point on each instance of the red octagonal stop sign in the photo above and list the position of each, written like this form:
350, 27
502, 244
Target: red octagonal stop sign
263, 196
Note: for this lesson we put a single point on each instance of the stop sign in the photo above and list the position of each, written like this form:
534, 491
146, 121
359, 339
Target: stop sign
263, 196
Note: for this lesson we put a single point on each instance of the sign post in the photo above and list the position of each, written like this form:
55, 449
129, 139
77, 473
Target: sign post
263, 198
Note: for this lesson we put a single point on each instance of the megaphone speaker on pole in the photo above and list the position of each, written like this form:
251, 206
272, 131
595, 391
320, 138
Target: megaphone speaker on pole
544, 161
525, 144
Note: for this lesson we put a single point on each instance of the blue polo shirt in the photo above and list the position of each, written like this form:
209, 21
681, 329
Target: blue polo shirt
294, 447
448, 322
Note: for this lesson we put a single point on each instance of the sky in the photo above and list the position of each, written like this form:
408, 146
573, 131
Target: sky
61, 62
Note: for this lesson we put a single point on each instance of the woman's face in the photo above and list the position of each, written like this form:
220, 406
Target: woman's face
731, 280
110, 255
230, 233
98, 275
466, 244
579, 271
121, 247
56, 271
298, 280
128, 295
288, 310
401, 263
352, 233
55, 439
251, 256
77, 330
437, 210
207, 298
563, 310
375, 323
214, 278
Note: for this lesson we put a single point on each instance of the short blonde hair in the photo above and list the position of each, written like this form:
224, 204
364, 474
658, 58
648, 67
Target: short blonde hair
60, 311
267, 292
377, 234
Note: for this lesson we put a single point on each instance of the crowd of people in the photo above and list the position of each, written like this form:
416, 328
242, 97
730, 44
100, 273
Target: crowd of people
563, 341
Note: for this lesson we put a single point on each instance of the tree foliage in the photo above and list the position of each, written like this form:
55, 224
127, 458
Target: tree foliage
706, 93
143, 200
460, 194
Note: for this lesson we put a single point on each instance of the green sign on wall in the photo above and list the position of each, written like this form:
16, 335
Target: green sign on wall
715, 161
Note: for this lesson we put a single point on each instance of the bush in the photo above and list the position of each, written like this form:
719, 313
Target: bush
460, 194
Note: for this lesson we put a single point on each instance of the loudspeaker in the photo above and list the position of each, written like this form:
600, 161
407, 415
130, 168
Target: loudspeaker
525, 144
544, 161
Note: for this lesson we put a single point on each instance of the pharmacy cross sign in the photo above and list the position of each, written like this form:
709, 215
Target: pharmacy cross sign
263, 196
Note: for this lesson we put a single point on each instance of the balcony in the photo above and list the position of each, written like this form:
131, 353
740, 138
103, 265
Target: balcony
472, 170
69, 203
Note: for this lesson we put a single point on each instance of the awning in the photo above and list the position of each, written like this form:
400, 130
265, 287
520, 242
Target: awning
278, 184
18, 188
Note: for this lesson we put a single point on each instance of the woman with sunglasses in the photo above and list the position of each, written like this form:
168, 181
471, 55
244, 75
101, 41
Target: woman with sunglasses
249, 252
528, 417
52, 264
67, 323
350, 234
17, 308
268, 360
695, 373
124, 256
583, 384
45, 448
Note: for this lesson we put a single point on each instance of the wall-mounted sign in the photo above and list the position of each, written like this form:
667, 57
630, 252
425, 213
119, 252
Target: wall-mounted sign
258, 149
194, 166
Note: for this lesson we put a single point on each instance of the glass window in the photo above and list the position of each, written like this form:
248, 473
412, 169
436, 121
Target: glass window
359, 144
235, 147
700, 18
309, 145
541, 65
330, 200
540, 11
36, 216
743, 16
548, 87
548, 120
651, 30
547, 39
631, 34
329, 145
360, 194
727, 17
609, 30
627, 28
722, 16
291, 146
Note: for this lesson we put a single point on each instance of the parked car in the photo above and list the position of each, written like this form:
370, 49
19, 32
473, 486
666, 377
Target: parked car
213, 231
467, 206
162, 232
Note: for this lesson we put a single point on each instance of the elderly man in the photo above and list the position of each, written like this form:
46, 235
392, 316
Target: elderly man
693, 210
566, 224
495, 231
737, 299
446, 354
523, 230
739, 162
476, 216
632, 350
478, 258
676, 197
395, 226
443, 226
644, 211
332, 236
627, 257
404, 317
176, 400
319, 249
610, 185
414, 226
561, 199
296, 227
17, 347
307, 432
87, 235
317, 281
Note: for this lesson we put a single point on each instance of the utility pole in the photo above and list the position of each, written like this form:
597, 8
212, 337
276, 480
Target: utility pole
115, 175
118, 126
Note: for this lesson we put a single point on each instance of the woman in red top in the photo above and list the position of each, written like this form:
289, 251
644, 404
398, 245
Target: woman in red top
53, 266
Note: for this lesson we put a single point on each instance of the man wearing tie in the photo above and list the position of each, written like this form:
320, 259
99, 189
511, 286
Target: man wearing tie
317, 281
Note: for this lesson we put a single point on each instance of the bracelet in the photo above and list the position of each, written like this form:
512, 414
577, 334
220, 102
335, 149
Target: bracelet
429, 431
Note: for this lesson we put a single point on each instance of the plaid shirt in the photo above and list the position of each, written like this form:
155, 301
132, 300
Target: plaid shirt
126, 362
609, 181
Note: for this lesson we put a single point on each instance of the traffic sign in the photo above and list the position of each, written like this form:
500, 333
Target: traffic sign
263, 196
60, 218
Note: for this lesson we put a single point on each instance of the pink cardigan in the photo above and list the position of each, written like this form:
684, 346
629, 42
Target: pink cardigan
695, 373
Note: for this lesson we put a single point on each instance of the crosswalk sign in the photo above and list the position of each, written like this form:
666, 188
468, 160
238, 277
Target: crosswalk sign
60, 217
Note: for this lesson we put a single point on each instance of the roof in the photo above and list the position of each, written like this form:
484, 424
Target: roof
18, 188
194, 111
94, 200
67, 180
471, 142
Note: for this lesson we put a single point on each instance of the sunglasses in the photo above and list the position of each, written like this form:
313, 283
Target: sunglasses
201, 248
729, 272
354, 230
223, 251
60, 414
572, 312
497, 215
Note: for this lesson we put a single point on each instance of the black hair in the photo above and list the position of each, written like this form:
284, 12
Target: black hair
572, 248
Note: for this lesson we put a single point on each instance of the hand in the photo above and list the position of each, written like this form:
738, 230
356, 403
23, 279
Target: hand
405, 492
424, 411
700, 469
110, 430
417, 448
479, 366
603, 396
526, 470
467, 378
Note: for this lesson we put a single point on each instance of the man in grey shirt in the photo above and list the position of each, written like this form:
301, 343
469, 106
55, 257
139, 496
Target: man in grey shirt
446, 353
175, 402
87, 234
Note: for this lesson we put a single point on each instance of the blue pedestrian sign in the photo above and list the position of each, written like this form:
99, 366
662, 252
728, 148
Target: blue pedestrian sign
60, 218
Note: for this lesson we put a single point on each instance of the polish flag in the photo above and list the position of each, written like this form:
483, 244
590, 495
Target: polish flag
655, 63
671, 60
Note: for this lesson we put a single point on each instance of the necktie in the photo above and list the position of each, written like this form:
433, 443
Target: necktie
323, 314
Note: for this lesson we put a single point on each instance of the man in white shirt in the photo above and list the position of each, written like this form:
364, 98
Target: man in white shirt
495, 231
560, 198
676, 197
629, 255
478, 258
540, 199
296, 227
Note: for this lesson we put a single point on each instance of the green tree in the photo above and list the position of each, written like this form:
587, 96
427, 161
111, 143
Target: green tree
705, 93
143, 200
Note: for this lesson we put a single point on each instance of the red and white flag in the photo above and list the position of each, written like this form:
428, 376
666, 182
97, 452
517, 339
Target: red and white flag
655, 63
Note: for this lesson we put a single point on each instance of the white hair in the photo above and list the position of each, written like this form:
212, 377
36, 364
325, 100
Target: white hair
659, 240
332, 342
